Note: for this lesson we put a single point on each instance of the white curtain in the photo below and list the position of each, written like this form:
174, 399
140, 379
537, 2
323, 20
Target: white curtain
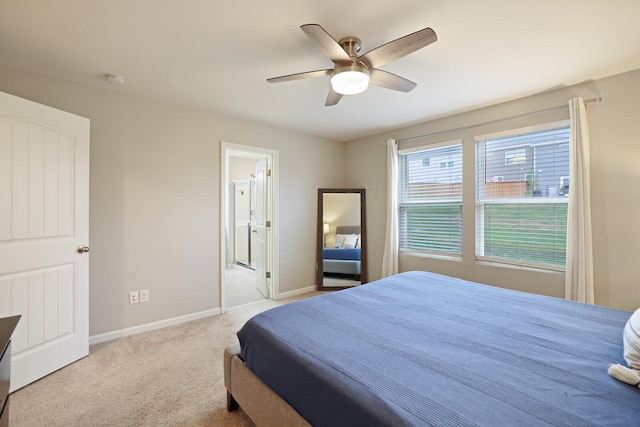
579, 275
390, 256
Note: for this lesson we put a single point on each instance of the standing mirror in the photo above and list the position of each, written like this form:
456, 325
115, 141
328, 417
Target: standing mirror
342, 238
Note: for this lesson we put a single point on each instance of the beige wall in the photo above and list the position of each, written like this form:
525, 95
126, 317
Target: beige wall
614, 127
155, 203
155, 199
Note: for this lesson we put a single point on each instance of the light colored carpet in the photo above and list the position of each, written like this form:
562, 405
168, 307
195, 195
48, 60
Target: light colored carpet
168, 377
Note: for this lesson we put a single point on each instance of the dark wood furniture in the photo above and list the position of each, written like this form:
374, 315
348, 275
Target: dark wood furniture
7, 326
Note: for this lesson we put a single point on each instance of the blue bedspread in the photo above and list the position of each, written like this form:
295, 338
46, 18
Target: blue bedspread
424, 349
341, 254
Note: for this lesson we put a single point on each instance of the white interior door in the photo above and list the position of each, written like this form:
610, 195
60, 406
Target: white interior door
262, 231
44, 224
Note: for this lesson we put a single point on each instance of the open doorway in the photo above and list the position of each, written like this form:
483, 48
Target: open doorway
247, 225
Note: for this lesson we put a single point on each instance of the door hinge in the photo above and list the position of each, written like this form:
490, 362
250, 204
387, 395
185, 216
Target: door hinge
268, 275
268, 172
268, 224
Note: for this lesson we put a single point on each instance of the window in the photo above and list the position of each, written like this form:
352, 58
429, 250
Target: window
430, 199
515, 157
522, 218
448, 164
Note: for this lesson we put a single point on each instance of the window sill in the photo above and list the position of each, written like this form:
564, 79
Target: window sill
417, 254
498, 264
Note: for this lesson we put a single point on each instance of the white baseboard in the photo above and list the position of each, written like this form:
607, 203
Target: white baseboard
296, 292
108, 336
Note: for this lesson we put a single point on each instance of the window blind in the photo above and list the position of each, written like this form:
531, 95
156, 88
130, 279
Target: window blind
522, 188
430, 200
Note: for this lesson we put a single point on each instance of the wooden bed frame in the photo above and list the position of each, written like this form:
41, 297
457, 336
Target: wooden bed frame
258, 401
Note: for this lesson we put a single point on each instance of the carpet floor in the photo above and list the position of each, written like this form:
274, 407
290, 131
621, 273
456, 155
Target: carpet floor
167, 377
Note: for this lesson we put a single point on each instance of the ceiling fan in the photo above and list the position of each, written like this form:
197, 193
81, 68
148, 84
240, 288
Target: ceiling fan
352, 73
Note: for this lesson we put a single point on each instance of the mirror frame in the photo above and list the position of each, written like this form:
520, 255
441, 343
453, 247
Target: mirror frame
320, 236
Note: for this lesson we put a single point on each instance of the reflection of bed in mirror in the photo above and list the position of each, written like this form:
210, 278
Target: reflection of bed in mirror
344, 259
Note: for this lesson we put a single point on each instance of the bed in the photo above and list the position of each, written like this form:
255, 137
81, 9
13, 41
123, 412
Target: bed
424, 349
341, 260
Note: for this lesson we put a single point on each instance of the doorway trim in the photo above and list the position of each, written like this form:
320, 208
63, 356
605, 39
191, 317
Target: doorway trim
228, 150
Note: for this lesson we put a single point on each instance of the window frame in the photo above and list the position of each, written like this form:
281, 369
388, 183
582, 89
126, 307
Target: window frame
435, 202
480, 204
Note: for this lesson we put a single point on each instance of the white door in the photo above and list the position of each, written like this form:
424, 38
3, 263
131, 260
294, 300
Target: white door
44, 226
262, 229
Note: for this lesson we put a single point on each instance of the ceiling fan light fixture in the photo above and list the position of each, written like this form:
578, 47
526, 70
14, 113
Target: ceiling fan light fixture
351, 74
350, 79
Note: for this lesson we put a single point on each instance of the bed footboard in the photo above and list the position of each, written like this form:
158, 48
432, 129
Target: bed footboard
258, 401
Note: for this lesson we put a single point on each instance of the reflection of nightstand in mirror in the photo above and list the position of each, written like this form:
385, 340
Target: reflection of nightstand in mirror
7, 325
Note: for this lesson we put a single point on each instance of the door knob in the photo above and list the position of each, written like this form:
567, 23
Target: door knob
83, 249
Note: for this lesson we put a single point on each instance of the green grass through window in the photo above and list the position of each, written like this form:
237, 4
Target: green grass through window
530, 233
527, 233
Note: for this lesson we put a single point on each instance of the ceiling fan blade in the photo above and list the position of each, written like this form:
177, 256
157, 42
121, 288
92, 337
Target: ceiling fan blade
398, 48
333, 98
390, 81
327, 44
300, 76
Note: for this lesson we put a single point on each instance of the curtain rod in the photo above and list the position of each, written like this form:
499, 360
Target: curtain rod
546, 110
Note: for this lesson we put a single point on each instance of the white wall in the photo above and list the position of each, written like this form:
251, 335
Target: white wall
241, 168
155, 202
614, 128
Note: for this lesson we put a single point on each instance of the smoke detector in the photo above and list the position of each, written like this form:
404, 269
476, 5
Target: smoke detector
115, 79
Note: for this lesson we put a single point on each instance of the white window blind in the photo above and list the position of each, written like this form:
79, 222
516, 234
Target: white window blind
522, 189
430, 200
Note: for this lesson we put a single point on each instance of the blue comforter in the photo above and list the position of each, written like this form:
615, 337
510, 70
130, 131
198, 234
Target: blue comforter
341, 254
424, 349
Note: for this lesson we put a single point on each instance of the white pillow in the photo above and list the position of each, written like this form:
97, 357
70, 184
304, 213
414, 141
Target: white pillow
350, 241
631, 340
339, 240
359, 244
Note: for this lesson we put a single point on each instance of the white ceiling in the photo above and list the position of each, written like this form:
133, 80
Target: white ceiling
216, 55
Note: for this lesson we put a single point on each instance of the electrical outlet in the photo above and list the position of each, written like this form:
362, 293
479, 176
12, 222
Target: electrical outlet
134, 297
144, 295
